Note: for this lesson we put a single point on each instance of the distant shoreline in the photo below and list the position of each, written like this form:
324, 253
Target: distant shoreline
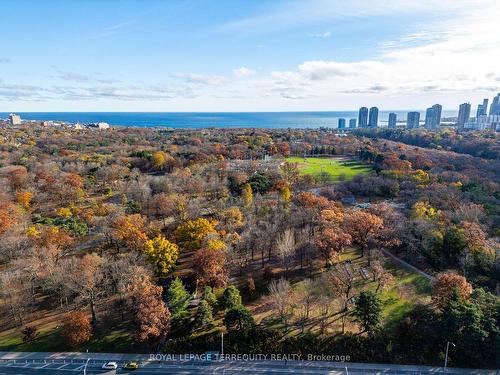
196, 120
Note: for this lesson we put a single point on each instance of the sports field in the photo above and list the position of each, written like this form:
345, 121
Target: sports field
334, 169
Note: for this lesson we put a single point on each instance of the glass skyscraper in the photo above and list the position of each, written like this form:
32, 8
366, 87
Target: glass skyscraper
363, 117
393, 118
463, 114
373, 117
433, 116
495, 105
341, 124
413, 120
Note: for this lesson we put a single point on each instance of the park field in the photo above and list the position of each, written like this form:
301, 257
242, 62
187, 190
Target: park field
334, 168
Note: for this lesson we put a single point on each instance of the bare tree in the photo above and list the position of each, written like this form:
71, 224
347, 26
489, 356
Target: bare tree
285, 247
122, 271
85, 278
381, 275
305, 296
324, 300
342, 284
16, 294
280, 292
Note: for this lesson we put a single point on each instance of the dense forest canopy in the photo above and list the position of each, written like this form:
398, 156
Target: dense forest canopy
129, 239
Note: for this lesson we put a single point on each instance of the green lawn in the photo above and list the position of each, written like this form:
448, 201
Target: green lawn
337, 169
51, 340
407, 289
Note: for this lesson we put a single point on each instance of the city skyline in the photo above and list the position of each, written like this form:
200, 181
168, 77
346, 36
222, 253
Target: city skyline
282, 56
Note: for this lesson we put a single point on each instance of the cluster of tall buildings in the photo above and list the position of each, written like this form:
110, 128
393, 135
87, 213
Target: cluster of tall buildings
484, 119
366, 119
433, 116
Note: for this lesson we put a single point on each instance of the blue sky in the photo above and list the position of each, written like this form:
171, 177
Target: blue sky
209, 55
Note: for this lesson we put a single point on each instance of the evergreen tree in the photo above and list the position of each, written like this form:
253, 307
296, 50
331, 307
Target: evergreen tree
209, 296
368, 310
231, 298
178, 298
204, 317
239, 319
463, 324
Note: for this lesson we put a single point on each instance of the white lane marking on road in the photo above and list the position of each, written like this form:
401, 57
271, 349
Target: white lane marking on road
60, 367
43, 366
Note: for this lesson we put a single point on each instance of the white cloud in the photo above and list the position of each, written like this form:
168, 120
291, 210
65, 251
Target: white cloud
452, 55
324, 35
201, 79
320, 70
242, 72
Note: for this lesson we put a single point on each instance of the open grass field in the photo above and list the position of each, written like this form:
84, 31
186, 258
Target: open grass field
336, 168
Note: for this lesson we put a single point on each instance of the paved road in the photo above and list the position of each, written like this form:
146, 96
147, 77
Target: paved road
68, 367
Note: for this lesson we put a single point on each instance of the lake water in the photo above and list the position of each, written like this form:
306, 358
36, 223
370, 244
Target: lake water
213, 119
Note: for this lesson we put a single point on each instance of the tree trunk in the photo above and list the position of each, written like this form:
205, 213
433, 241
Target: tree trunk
92, 308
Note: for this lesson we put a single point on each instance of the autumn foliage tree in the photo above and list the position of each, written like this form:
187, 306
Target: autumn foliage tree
362, 226
77, 328
247, 194
85, 278
128, 231
162, 253
210, 267
152, 316
331, 241
445, 284
8, 214
17, 176
24, 198
50, 245
159, 159
191, 234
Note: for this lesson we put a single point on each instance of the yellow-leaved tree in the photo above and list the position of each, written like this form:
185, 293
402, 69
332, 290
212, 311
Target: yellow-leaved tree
191, 234
159, 159
286, 195
162, 253
247, 194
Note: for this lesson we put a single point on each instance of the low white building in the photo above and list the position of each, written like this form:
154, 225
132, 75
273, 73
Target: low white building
484, 123
102, 125
14, 119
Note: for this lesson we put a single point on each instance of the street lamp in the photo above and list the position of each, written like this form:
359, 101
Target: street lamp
446, 356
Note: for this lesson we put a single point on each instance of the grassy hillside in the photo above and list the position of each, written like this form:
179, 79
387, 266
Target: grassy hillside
334, 168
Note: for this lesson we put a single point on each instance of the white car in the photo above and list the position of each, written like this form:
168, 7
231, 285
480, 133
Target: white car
110, 366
